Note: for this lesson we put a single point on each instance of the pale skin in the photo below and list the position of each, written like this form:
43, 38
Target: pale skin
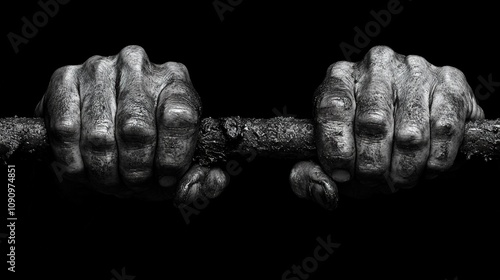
125, 126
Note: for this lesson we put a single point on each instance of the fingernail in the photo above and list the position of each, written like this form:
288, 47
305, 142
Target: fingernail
193, 193
341, 175
187, 193
167, 181
215, 182
318, 195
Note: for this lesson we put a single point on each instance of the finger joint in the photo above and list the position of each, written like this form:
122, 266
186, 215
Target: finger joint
66, 130
372, 125
137, 131
411, 138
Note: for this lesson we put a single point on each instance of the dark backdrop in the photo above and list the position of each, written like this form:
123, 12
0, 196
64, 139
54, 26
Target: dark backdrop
262, 56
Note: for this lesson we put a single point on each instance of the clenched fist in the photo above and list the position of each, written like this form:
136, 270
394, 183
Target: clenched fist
122, 125
384, 121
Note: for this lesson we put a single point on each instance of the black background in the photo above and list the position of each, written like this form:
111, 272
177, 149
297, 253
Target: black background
262, 56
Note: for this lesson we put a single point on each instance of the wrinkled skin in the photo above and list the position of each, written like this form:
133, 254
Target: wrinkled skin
124, 126
383, 123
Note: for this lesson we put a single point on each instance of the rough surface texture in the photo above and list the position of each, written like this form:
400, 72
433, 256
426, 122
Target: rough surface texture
24, 138
221, 139
482, 139
233, 136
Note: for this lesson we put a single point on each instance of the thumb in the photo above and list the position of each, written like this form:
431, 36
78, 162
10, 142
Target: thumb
308, 180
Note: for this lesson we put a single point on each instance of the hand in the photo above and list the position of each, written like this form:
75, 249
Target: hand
122, 125
384, 121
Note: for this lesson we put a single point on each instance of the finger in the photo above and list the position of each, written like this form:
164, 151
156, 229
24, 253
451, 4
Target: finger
135, 118
190, 187
308, 180
201, 182
99, 151
60, 107
374, 115
476, 113
39, 109
334, 115
448, 113
411, 132
215, 182
178, 116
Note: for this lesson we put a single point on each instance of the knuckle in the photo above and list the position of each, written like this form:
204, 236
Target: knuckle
454, 99
340, 69
98, 65
372, 124
416, 65
411, 138
177, 70
335, 94
66, 129
64, 75
181, 88
416, 61
450, 72
337, 104
137, 130
381, 54
445, 128
100, 139
133, 57
178, 115
182, 92
452, 76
